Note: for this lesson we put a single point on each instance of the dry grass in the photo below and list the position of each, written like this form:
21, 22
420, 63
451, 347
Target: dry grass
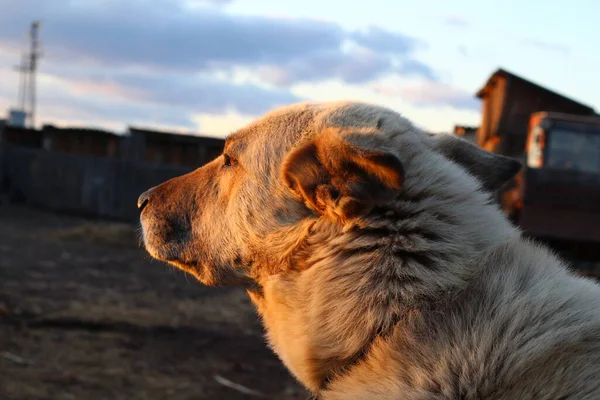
82, 317
102, 233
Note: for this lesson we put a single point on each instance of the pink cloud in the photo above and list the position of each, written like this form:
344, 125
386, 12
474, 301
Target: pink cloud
431, 93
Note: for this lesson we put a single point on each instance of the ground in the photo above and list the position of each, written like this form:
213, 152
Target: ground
86, 314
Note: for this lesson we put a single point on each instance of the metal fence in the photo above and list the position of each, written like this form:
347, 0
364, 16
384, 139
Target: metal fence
84, 185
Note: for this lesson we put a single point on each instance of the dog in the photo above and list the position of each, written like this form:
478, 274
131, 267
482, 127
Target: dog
378, 260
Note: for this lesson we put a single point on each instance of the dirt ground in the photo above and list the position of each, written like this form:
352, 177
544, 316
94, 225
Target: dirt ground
85, 314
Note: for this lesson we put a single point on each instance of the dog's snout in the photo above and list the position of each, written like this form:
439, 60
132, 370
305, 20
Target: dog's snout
143, 199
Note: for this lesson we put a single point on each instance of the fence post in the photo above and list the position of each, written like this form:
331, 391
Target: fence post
2, 169
2, 125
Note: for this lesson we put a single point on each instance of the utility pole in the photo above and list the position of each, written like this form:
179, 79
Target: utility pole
23, 70
27, 75
33, 57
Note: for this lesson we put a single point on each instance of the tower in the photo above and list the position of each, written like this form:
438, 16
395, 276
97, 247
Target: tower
33, 57
27, 80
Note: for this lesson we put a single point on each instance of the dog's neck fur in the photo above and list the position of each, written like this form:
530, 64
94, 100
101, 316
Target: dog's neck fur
403, 257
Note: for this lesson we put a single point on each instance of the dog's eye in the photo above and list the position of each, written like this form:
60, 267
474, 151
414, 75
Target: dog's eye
228, 161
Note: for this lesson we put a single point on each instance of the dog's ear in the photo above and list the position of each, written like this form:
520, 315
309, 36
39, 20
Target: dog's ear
339, 179
492, 170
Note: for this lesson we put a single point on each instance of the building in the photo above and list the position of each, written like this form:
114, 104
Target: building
83, 141
508, 101
171, 148
17, 118
23, 137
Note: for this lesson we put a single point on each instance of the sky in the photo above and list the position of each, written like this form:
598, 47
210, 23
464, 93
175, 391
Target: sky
211, 66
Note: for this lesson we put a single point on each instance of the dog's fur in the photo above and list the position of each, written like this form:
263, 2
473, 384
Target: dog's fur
379, 263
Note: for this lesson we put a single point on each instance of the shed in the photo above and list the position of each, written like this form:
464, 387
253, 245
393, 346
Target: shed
20, 136
173, 148
83, 141
508, 101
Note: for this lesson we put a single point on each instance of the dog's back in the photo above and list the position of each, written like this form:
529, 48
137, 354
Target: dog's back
525, 328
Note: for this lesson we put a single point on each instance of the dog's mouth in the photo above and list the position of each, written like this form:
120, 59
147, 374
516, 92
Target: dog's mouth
174, 247
164, 252
193, 268
171, 254
168, 254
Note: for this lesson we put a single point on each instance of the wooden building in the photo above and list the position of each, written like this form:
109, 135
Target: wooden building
508, 101
172, 148
23, 137
82, 141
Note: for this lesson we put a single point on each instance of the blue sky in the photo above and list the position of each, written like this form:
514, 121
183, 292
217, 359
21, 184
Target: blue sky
210, 66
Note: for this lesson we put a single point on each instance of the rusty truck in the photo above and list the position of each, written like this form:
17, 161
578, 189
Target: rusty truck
556, 196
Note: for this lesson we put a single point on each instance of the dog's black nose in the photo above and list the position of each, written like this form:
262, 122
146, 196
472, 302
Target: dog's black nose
143, 199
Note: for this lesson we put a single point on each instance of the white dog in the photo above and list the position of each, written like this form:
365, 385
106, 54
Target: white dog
380, 265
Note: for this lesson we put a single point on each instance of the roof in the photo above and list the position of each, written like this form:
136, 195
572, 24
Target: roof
22, 129
584, 119
176, 137
500, 72
76, 130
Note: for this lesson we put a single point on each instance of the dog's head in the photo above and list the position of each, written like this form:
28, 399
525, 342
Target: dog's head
246, 212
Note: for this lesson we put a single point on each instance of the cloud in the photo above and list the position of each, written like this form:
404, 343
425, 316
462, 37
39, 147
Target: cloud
198, 94
429, 93
432, 94
456, 20
547, 46
166, 101
167, 60
355, 67
109, 112
417, 68
380, 40
214, 2
192, 92
164, 35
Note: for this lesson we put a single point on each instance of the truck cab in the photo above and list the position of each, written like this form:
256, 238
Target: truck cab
557, 196
564, 142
